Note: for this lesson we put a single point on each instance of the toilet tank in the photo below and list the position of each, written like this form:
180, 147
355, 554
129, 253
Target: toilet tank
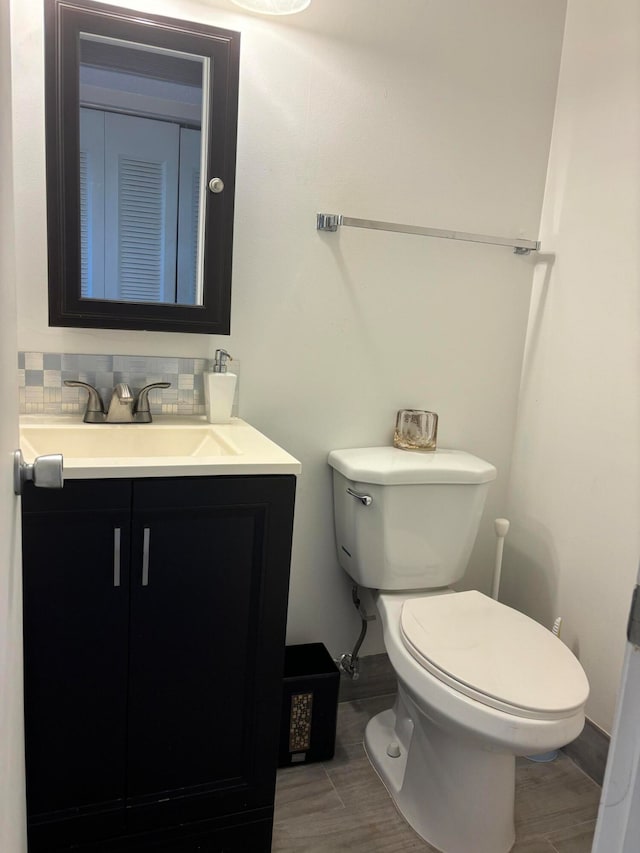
418, 530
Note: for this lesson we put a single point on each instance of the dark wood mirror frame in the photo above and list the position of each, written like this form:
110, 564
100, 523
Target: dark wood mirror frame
64, 21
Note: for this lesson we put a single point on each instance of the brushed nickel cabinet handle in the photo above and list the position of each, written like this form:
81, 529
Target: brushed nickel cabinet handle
116, 556
145, 556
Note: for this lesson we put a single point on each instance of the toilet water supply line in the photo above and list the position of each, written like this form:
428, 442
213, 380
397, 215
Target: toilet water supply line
349, 663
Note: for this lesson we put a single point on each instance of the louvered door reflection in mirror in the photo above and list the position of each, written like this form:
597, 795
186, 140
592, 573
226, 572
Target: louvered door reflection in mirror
141, 116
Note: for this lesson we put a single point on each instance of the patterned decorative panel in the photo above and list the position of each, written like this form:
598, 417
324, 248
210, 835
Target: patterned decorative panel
300, 722
41, 377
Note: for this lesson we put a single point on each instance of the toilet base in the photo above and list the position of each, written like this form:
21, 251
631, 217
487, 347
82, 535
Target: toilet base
456, 796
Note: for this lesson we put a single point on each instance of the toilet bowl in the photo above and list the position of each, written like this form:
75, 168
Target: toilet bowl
453, 773
478, 682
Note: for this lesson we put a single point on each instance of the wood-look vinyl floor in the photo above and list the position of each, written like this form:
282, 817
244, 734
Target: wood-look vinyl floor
341, 805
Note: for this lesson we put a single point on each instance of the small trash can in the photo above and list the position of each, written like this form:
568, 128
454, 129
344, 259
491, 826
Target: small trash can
309, 705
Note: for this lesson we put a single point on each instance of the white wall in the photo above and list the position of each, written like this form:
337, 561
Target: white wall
12, 805
575, 489
420, 111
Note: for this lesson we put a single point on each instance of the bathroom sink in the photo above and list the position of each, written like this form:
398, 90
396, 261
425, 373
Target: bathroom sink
122, 440
170, 446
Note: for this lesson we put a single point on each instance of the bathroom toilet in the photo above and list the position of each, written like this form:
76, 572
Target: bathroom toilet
478, 682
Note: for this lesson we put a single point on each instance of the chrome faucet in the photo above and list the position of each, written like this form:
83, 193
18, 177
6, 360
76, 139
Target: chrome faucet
124, 407
121, 405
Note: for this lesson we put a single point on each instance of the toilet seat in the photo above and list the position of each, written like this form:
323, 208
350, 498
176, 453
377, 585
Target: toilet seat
493, 654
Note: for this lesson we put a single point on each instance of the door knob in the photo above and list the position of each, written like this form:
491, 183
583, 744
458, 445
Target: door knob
46, 472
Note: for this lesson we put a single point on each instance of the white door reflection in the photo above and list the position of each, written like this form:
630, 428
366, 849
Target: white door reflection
142, 110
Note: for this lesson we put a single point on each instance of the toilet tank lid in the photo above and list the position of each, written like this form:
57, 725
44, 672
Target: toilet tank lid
392, 466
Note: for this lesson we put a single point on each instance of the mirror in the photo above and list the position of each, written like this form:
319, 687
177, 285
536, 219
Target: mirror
141, 118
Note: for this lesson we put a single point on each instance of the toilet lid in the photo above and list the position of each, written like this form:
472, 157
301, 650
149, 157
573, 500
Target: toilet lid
494, 654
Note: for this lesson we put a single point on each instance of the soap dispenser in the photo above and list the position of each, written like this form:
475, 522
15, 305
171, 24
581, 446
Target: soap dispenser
219, 389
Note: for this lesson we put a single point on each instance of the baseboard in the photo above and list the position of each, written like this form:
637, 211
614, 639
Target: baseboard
590, 750
376, 679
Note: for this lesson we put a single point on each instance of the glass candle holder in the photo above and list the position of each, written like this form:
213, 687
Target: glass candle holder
416, 430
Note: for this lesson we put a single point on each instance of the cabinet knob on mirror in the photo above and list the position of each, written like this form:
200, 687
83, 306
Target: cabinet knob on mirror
45, 472
216, 185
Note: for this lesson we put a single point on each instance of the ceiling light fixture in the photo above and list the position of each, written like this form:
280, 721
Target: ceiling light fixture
273, 7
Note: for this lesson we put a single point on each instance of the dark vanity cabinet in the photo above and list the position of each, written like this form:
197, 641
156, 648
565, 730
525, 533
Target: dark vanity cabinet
154, 625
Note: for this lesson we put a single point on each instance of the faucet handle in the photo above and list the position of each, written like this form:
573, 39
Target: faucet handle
94, 413
141, 410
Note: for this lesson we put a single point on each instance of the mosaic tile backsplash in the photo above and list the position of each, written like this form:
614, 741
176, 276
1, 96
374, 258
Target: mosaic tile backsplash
41, 376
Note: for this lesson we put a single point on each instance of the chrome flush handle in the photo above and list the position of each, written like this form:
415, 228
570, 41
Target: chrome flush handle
366, 500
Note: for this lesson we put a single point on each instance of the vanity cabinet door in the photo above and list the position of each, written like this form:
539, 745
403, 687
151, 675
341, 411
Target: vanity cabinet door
210, 571
154, 631
76, 608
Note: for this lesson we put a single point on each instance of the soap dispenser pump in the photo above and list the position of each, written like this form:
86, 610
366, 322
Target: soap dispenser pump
220, 361
219, 389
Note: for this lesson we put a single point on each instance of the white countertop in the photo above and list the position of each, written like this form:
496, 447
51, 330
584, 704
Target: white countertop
93, 450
